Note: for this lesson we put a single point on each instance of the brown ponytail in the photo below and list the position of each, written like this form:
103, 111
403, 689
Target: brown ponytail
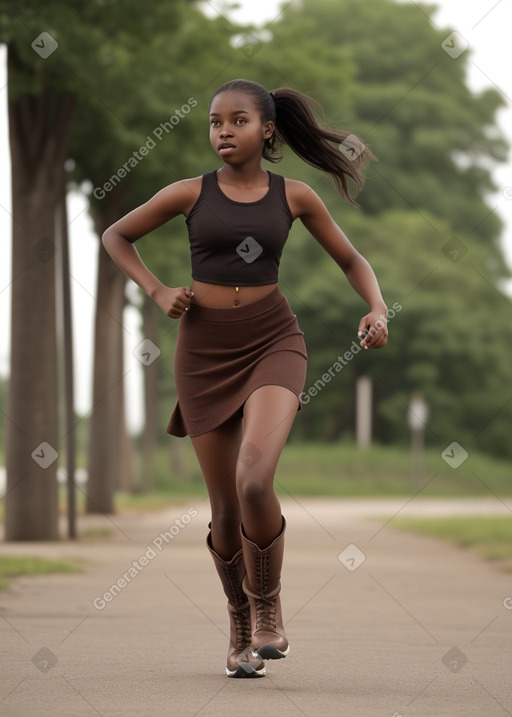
297, 127
339, 153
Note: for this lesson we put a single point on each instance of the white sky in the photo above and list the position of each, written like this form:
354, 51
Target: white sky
485, 25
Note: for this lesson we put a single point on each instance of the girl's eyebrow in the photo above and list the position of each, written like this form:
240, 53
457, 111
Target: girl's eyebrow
235, 112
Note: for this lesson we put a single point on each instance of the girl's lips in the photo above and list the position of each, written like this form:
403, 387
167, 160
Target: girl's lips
226, 150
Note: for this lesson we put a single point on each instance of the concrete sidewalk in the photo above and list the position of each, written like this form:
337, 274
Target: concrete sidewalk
380, 622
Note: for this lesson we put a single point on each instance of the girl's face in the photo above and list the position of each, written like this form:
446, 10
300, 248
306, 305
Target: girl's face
236, 131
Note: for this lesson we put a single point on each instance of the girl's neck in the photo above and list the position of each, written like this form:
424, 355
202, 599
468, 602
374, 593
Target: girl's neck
249, 174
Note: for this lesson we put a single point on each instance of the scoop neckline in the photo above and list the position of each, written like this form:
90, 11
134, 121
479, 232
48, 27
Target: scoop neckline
234, 201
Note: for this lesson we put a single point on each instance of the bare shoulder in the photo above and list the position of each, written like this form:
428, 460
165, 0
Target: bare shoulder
302, 199
181, 196
174, 199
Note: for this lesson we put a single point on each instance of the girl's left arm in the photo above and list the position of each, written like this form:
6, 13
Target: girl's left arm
313, 213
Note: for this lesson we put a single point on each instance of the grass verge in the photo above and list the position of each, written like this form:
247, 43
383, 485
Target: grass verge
14, 566
490, 537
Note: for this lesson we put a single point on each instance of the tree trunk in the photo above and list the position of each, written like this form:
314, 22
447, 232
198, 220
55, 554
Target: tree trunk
107, 425
38, 138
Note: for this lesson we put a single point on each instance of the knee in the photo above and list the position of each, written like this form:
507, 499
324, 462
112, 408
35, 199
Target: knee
253, 488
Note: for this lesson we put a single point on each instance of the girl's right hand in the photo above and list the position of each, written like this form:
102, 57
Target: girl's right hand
173, 302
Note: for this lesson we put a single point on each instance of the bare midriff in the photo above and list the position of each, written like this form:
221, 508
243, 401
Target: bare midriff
219, 296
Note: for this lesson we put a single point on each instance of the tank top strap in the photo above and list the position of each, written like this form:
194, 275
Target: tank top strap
208, 183
279, 187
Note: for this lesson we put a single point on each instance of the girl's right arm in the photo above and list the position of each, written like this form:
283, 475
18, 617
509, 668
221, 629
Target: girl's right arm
118, 240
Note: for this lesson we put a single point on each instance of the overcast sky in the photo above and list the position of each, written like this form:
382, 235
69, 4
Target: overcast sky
483, 24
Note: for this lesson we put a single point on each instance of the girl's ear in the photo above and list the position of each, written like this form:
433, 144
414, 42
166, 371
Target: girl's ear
268, 129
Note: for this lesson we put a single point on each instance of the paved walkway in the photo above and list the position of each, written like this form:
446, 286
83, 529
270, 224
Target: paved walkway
380, 622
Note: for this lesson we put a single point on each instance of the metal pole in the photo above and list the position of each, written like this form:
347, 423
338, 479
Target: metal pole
417, 419
62, 239
364, 411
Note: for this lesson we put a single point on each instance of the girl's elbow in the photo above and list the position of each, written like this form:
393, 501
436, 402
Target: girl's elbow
110, 238
106, 238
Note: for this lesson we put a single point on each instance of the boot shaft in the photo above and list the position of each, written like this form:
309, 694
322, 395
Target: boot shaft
263, 566
231, 574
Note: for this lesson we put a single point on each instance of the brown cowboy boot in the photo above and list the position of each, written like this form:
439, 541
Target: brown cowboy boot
262, 586
241, 661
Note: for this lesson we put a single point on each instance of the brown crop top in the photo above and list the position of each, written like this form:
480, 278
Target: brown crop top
238, 243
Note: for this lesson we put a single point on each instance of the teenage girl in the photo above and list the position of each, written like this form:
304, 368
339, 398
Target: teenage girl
240, 361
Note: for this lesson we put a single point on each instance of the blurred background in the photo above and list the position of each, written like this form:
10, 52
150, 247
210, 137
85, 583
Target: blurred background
108, 104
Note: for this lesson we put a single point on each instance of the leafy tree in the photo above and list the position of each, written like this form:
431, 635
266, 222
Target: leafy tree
47, 75
409, 101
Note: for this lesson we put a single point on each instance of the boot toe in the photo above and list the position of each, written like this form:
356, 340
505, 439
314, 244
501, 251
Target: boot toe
270, 645
248, 663
271, 652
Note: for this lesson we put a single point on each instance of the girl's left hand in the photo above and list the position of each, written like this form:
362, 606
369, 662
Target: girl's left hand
373, 330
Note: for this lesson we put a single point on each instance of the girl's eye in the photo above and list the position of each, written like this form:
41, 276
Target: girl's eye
216, 123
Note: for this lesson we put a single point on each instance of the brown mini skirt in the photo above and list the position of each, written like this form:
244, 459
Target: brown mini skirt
223, 355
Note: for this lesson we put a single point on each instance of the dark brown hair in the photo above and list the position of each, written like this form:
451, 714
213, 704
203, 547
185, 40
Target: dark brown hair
296, 125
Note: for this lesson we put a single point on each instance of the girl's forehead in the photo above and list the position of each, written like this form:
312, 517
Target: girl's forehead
232, 100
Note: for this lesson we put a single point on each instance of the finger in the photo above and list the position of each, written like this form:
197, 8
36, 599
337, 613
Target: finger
368, 336
363, 325
380, 340
186, 292
181, 303
373, 338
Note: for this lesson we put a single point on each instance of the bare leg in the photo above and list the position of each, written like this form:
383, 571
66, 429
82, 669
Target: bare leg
217, 453
268, 417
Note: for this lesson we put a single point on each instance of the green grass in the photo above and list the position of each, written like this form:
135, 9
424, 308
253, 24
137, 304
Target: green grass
331, 469
14, 565
345, 470
491, 537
